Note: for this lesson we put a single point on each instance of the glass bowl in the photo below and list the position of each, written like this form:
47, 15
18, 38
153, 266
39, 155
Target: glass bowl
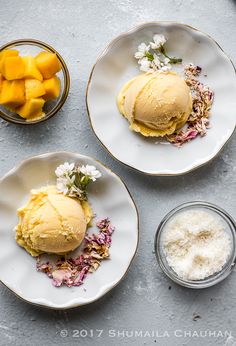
230, 228
33, 47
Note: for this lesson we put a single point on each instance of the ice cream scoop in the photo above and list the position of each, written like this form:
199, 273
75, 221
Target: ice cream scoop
51, 222
155, 104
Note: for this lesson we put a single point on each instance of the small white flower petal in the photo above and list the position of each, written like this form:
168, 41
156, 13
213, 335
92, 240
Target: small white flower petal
166, 68
156, 61
144, 68
158, 41
145, 64
153, 45
139, 55
64, 169
166, 61
62, 185
59, 171
91, 172
143, 48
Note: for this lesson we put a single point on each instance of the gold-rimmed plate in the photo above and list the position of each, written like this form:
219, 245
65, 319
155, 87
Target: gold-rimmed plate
109, 197
116, 65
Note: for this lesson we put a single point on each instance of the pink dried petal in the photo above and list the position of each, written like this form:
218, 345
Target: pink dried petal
202, 102
60, 276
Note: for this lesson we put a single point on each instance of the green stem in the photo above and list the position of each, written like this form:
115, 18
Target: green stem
149, 56
85, 180
173, 60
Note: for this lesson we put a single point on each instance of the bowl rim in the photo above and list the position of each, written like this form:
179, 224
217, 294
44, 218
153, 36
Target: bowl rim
216, 277
103, 54
48, 155
66, 75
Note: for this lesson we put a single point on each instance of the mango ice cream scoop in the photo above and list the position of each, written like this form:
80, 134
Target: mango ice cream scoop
51, 222
155, 104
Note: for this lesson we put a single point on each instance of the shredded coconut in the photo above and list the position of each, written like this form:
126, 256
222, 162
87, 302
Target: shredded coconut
196, 244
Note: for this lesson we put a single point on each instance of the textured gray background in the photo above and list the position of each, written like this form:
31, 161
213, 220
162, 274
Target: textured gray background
80, 30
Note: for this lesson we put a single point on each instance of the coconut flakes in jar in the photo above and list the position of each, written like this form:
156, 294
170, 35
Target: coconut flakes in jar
196, 244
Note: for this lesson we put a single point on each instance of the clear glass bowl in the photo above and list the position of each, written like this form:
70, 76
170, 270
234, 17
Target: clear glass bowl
33, 47
230, 227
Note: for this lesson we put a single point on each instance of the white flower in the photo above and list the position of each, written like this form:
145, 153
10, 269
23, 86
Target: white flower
62, 185
145, 64
71, 183
142, 50
165, 65
159, 40
165, 69
91, 172
64, 169
156, 61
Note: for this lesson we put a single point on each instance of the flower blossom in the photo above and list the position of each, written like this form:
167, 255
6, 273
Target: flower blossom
65, 169
65, 183
91, 172
145, 64
142, 50
159, 40
165, 65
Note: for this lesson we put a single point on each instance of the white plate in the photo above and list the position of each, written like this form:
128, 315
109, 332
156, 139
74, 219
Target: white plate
116, 65
108, 197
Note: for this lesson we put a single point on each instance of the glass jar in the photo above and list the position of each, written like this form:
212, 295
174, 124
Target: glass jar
230, 228
33, 47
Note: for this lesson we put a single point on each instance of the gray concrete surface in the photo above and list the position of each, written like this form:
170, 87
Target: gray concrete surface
146, 300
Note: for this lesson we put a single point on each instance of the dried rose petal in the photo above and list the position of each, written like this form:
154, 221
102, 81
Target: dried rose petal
198, 121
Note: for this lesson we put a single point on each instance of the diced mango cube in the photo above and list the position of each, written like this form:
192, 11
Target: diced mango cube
31, 70
52, 88
48, 64
33, 88
8, 52
12, 93
32, 109
13, 67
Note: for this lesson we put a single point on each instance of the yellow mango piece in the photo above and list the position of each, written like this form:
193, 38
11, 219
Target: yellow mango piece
6, 53
12, 93
52, 88
48, 64
13, 68
32, 109
31, 70
33, 88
